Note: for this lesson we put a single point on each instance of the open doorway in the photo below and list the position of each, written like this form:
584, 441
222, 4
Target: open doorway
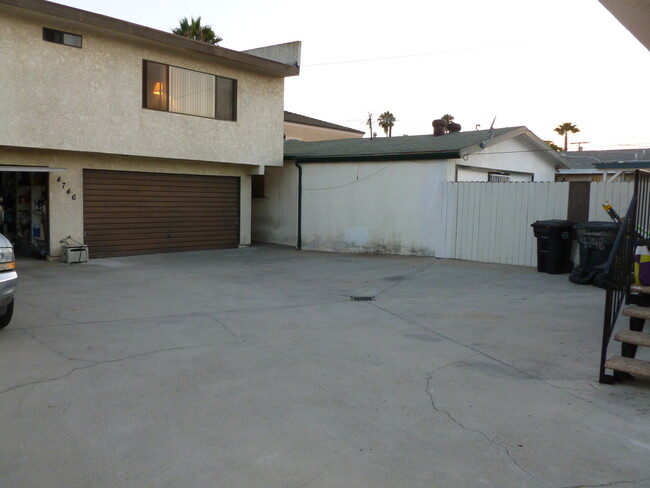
24, 217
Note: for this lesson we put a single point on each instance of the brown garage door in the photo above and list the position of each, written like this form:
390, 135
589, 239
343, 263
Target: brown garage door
148, 213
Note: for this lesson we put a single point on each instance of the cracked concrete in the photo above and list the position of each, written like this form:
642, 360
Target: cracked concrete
481, 433
252, 368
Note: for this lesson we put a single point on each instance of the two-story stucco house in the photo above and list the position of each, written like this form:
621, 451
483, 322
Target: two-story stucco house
129, 139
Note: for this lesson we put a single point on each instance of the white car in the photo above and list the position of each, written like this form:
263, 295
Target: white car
8, 281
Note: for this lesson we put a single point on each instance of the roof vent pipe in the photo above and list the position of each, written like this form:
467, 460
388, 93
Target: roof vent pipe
439, 127
453, 127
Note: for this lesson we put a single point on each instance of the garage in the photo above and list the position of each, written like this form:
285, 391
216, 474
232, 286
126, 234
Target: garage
24, 208
127, 213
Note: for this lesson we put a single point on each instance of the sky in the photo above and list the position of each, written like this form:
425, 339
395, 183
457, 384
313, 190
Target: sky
536, 63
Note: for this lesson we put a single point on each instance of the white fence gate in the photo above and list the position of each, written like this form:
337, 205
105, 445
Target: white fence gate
618, 194
491, 222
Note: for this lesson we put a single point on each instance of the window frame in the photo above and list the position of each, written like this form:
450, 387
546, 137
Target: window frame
62, 42
498, 177
233, 98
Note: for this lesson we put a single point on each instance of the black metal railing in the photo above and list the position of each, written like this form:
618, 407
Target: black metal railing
619, 268
642, 191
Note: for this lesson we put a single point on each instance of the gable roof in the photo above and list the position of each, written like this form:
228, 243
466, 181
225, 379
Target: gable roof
450, 146
304, 120
590, 159
226, 56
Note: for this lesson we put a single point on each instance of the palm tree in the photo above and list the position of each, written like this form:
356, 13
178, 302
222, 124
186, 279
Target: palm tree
553, 146
386, 121
193, 29
564, 130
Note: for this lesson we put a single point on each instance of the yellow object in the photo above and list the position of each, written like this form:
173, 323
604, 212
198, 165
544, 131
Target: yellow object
642, 265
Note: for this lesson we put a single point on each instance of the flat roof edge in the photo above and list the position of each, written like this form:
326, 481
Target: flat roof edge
373, 157
623, 165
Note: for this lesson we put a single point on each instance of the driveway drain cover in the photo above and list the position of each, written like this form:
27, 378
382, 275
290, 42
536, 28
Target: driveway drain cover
362, 299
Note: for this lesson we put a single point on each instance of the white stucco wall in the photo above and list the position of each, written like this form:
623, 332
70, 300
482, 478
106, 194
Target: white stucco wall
389, 207
66, 215
275, 217
516, 155
90, 99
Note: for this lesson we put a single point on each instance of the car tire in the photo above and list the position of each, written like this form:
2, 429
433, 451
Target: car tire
6, 318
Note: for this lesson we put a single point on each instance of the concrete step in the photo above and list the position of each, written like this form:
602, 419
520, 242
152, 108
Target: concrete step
637, 312
632, 337
640, 289
635, 367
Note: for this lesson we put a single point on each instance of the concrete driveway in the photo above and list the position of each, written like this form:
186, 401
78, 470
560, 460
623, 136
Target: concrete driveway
253, 368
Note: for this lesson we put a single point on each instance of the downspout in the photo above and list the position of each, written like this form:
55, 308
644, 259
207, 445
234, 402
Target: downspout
299, 242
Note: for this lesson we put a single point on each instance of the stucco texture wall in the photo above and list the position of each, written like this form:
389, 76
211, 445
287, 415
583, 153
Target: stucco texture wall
90, 99
275, 217
66, 214
387, 207
390, 207
312, 133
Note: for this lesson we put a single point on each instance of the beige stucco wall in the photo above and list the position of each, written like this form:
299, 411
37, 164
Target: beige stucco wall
310, 133
66, 214
90, 99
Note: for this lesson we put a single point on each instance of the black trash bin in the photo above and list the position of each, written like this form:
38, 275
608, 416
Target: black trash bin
595, 240
553, 245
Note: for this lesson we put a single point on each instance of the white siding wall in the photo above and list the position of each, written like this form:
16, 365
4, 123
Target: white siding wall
494, 220
471, 174
516, 155
617, 193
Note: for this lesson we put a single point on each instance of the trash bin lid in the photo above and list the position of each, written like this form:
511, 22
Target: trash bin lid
597, 226
552, 224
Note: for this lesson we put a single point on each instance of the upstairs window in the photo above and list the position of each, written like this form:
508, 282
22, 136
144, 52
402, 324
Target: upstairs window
155, 86
184, 91
60, 37
499, 177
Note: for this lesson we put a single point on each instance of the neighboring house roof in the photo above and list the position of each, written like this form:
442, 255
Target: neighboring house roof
594, 159
302, 119
226, 56
624, 165
449, 146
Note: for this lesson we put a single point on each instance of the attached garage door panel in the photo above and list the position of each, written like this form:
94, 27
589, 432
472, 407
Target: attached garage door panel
145, 213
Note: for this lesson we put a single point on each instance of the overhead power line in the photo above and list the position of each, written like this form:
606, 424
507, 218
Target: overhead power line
400, 56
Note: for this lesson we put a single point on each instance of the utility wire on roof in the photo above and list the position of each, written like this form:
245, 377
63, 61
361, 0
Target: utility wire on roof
357, 180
